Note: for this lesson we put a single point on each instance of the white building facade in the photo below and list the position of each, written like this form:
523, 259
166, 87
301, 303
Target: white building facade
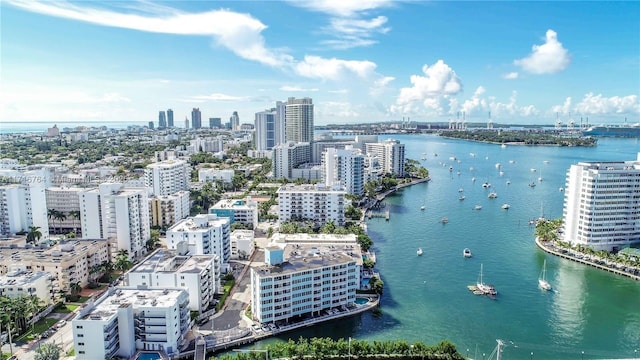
237, 210
198, 275
299, 280
242, 244
67, 201
119, 214
390, 154
167, 177
208, 174
203, 234
602, 205
125, 320
287, 156
19, 282
344, 167
318, 203
265, 130
166, 210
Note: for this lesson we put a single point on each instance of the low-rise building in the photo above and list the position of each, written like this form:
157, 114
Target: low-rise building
166, 210
204, 234
317, 203
125, 320
240, 211
208, 174
300, 280
20, 282
199, 275
68, 262
242, 244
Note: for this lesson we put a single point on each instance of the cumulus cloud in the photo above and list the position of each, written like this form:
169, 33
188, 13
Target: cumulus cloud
476, 103
600, 105
331, 110
297, 89
437, 82
512, 108
339, 91
350, 33
564, 109
333, 69
547, 58
510, 76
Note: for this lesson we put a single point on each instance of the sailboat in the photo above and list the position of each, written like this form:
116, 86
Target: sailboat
419, 252
542, 280
485, 289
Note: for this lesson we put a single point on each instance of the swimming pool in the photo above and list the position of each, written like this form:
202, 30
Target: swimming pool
149, 356
361, 301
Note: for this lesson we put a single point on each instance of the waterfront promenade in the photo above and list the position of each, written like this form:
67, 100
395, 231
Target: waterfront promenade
573, 256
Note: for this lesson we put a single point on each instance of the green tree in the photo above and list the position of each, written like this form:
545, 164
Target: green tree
48, 351
154, 240
75, 215
34, 234
122, 263
60, 216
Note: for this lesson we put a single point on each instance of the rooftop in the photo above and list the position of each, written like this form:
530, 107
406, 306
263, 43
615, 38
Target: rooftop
22, 278
122, 297
163, 260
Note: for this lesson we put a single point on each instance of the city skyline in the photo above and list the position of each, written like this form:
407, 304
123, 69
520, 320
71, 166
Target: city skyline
365, 61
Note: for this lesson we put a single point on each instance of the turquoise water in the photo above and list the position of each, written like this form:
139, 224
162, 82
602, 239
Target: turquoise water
426, 298
361, 301
149, 356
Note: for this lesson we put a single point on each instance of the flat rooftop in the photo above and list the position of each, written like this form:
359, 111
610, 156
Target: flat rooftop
134, 297
299, 257
168, 261
22, 278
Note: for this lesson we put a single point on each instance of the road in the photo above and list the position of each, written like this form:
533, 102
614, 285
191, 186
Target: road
63, 335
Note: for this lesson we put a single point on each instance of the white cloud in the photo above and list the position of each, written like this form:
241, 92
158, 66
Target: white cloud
240, 33
225, 98
564, 108
339, 91
510, 76
476, 103
333, 69
343, 8
511, 109
439, 82
333, 110
547, 58
598, 105
297, 89
352, 33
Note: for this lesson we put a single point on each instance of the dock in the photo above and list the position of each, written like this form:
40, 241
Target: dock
379, 214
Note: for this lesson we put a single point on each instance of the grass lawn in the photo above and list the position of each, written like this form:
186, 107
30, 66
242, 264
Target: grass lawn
65, 308
38, 329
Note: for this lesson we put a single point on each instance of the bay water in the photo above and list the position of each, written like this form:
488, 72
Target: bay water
590, 314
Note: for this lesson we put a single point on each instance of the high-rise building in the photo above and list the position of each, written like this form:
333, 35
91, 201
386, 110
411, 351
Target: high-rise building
162, 120
186, 122
299, 120
170, 118
65, 200
287, 156
167, 210
390, 153
344, 167
280, 122
167, 177
234, 120
215, 122
151, 125
24, 205
317, 203
119, 214
601, 204
196, 118
128, 319
265, 134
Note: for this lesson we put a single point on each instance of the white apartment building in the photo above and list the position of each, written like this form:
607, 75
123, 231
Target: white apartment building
391, 155
602, 204
326, 141
166, 210
208, 174
265, 130
242, 244
335, 240
198, 275
241, 211
23, 206
203, 234
119, 214
125, 320
303, 279
20, 282
372, 169
287, 156
67, 201
68, 262
299, 120
344, 167
167, 177
318, 203
212, 145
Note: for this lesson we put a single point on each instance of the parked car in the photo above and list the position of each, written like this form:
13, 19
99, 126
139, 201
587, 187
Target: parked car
61, 323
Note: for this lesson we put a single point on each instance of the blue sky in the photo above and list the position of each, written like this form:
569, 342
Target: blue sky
360, 61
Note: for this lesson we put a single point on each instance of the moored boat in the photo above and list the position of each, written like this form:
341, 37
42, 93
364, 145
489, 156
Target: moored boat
419, 252
466, 253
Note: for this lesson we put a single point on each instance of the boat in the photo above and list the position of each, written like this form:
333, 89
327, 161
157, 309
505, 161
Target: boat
466, 253
512, 161
504, 146
542, 280
498, 165
614, 131
450, 168
460, 190
477, 207
486, 185
561, 189
533, 170
419, 252
505, 206
458, 173
422, 207
473, 179
501, 173
461, 198
545, 161
508, 182
444, 220
492, 195
532, 184
486, 289
424, 156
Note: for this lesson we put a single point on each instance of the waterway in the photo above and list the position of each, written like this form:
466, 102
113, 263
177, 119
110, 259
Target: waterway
426, 298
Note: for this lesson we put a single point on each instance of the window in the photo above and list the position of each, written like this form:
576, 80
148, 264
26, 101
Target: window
78, 326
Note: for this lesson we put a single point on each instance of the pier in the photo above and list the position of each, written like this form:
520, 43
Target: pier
379, 214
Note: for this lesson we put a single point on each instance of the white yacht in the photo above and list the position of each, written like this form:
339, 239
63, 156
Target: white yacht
466, 253
542, 280
505, 206
419, 252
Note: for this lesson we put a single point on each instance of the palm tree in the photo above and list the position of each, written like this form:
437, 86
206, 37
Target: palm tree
5, 318
75, 215
60, 216
48, 351
122, 263
51, 214
154, 240
34, 234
